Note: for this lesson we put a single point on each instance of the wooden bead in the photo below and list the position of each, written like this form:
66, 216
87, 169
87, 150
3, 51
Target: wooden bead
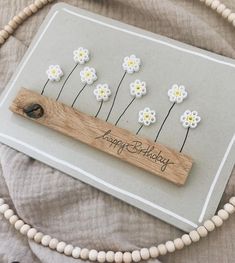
9, 29
33, 8
229, 208
28, 11
233, 23
127, 257
217, 221
224, 215
4, 34
136, 256
170, 246
209, 225
8, 213
68, 250
19, 224
215, 4
231, 17
179, 244
144, 253
220, 8
93, 255
226, 13
13, 219
110, 256
154, 252
101, 257
118, 257
31, 233
186, 239
23, 15
2, 40
38, 3
24, 229
84, 253
13, 24
162, 249
53, 243
194, 236
46, 240
208, 2
4, 207
60, 247
76, 252
38, 237
202, 231
18, 20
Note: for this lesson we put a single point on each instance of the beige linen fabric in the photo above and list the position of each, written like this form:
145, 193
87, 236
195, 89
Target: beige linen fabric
72, 211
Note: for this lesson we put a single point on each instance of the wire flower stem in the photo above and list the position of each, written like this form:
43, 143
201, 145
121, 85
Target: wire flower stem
44, 86
115, 96
139, 129
186, 136
101, 103
160, 129
124, 111
78, 95
66, 81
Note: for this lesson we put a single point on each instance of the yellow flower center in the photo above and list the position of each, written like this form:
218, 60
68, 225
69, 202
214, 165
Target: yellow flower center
88, 74
130, 63
177, 93
146, 116
53, 71
81, 54
138, 87
101, 91
190, 119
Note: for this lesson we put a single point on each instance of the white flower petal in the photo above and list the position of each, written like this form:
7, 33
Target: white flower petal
177, 93
190, 119
131, 64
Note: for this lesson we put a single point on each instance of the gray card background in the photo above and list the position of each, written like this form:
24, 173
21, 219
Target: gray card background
209, 79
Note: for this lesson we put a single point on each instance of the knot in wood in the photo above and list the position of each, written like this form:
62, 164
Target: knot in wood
34, 111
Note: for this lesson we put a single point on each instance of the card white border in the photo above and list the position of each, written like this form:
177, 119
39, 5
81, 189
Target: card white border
93, 177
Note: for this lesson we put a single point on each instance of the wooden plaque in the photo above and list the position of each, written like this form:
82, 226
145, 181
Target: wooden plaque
136, 150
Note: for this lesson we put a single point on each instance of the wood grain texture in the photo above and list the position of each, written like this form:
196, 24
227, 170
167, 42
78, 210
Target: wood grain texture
141, 152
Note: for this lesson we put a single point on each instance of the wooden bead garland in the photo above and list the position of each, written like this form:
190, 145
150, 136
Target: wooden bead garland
221, 9
20, 18
28, 11
110, 256
118, 257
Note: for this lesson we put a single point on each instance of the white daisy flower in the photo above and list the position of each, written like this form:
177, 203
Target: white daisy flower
138, 88
177, 93
190, 119
54, 73
147, 116
131, 64
88, 75
102, 92
81, 55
